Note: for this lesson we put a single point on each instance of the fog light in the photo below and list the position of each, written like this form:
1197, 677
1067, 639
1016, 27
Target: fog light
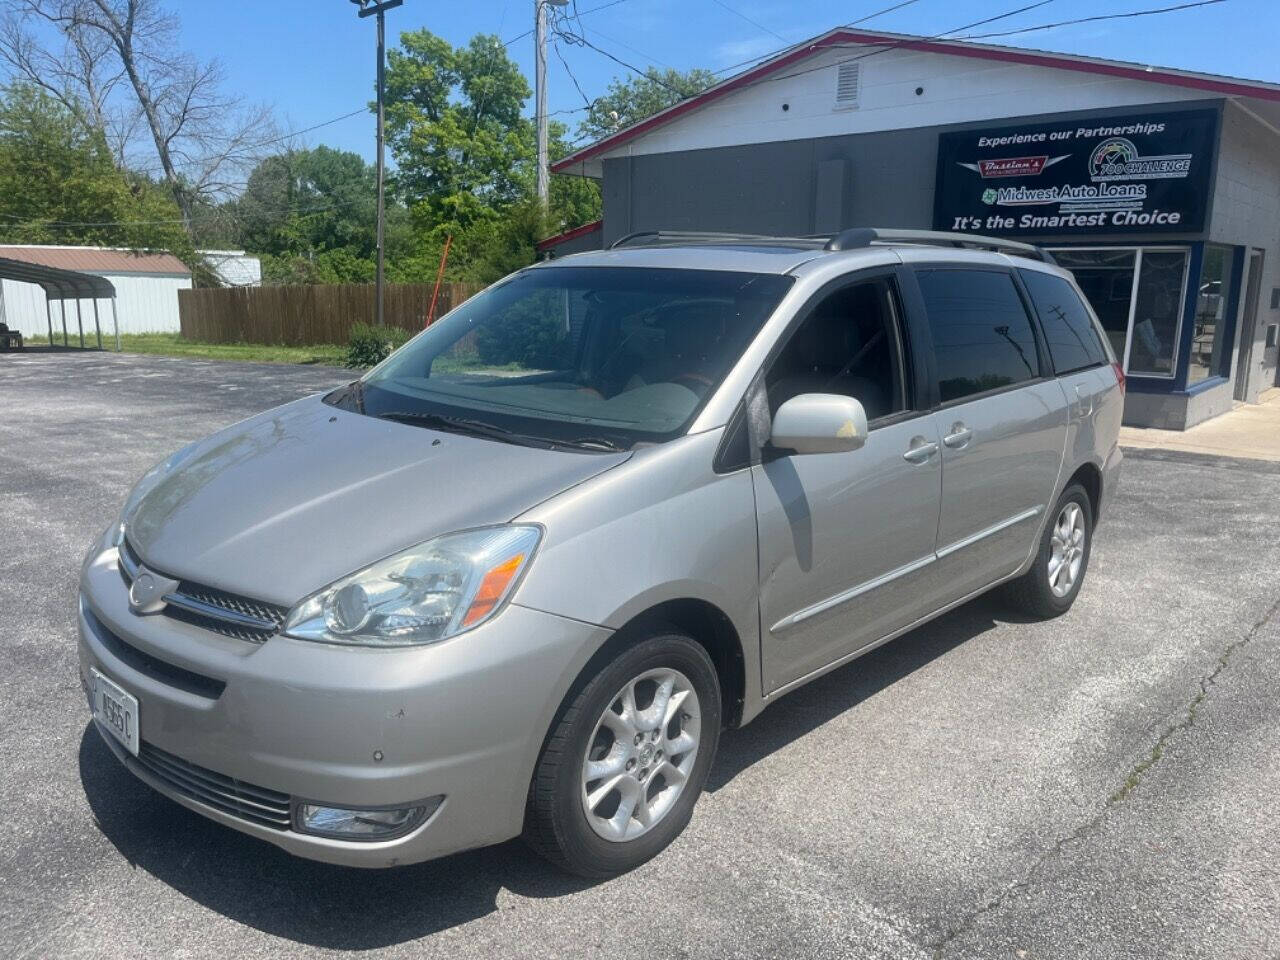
343, 823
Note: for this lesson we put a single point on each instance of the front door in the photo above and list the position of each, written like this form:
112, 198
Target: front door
1002, 424
846, 539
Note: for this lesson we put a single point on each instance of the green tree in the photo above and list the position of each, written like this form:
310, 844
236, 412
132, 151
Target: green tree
60, 184
455, 128
465, 159
629, 101
312, 216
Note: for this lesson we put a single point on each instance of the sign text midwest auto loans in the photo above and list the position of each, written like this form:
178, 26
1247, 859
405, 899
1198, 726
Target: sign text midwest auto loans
1138, 174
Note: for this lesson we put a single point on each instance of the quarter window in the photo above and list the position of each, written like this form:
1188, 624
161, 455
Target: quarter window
982, 337
1069, 330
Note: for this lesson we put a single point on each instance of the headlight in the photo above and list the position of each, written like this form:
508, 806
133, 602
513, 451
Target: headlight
429, 592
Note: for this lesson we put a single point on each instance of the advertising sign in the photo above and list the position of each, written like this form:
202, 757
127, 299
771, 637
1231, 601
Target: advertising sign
1114, 175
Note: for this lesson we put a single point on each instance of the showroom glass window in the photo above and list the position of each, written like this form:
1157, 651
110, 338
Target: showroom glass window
1211, 321
1138, 295
982, 335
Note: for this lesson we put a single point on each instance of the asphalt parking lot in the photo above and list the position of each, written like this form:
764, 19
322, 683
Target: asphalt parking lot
1103, 785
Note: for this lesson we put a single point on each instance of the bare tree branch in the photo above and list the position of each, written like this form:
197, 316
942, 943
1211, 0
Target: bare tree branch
122, 72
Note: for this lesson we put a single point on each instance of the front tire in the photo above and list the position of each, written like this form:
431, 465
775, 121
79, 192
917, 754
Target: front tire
620, 773
1052, 584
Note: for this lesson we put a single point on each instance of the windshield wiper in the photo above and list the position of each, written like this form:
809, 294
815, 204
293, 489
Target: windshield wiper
475, 428
593, 443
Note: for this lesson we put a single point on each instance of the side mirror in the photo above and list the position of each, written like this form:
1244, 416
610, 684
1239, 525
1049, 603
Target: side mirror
819, 423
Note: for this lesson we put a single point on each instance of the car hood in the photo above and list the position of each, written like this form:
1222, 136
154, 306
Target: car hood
282, 504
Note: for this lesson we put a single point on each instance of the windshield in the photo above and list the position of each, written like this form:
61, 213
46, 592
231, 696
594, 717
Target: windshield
600, 357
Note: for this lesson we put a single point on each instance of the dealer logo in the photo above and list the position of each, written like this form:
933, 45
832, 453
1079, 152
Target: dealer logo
1013, 166
1117, 158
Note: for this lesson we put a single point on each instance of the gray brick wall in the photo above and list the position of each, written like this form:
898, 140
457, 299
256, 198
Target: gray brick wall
1246, 211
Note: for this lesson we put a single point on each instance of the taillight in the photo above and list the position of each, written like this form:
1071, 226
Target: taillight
1119, 375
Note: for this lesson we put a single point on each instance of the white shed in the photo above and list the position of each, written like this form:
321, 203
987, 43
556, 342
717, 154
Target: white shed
146, 283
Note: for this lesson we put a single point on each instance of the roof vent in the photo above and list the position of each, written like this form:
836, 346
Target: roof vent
848, 84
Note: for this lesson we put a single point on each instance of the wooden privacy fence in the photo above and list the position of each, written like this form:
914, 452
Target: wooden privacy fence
304, 315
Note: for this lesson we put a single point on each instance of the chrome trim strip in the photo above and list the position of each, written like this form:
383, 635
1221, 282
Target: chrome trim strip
823, 605
191, 605
126, 561
867, 586
989, 531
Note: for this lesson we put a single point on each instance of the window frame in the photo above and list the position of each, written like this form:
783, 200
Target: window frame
903, 349
1042, 353
752, 416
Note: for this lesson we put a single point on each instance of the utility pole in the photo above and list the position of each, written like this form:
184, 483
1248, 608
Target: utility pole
379, 9
540, 87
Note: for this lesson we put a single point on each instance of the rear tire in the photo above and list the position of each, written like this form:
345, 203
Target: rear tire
1052, 584
648, 724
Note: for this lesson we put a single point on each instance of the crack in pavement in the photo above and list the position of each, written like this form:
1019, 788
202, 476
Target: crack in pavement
1186, 719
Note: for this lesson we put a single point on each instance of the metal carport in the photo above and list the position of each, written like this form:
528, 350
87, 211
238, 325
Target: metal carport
63, 285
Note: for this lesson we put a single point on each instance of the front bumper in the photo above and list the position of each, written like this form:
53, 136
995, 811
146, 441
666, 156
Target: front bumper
340, 726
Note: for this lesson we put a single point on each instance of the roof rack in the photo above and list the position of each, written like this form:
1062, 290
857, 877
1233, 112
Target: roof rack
657, 237
852, 239
858, 237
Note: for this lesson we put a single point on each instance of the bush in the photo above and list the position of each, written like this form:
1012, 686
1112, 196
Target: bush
369, 345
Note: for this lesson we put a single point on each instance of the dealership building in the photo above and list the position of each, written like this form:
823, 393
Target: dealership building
1159, 188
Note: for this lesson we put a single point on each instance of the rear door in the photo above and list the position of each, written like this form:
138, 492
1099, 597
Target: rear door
1082, 360
1001, 418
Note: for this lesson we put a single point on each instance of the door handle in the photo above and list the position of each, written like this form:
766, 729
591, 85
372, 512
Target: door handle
959, 436
919, 453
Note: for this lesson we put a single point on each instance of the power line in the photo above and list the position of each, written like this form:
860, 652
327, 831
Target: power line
897, 44
560, 56
261, 143
947, 35
576, 39
742, 16
1106, 16
852, 23
529, 33
222, 213
878, 13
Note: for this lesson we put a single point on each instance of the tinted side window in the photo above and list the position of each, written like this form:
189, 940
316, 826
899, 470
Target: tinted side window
981, 333
849, 345
1068, 329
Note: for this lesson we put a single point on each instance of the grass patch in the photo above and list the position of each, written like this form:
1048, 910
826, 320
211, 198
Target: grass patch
173, 345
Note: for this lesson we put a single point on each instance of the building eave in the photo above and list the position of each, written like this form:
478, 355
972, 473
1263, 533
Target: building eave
1209, 83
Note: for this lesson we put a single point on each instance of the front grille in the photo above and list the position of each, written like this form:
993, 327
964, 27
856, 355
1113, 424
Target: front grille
238, 610
209, 608
267, 808
159, 670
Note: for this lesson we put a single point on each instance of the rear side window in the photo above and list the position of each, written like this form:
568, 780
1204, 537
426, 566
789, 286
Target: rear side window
1069, 331
981, 332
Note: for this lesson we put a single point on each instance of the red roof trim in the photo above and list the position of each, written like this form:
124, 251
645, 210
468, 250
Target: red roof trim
568, 235
953, 48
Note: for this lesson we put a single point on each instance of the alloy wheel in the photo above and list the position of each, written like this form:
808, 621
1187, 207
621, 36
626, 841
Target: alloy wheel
1066, 549
641, 754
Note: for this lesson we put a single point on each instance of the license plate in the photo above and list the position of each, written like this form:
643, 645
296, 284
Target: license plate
115, 710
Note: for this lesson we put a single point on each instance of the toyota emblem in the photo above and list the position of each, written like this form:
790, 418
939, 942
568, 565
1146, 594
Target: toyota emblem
143, 590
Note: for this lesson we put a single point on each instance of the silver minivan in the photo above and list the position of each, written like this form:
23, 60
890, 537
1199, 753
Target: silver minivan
517, 578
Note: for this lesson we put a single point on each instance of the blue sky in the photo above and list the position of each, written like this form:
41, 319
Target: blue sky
313, 59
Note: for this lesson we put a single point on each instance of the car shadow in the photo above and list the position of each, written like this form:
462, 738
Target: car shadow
823, 699
344, 908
